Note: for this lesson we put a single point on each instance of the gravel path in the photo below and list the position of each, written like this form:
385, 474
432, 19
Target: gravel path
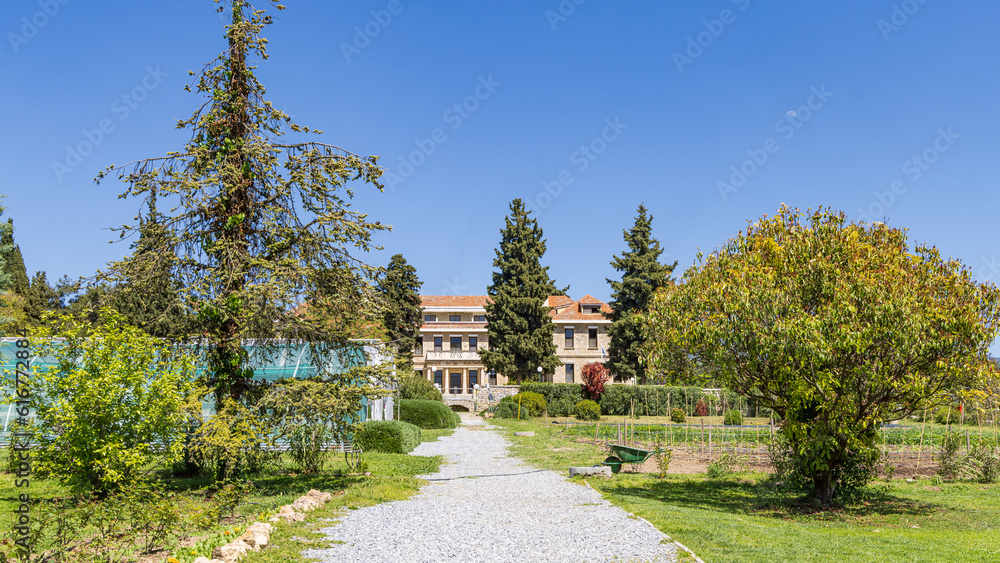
486, 506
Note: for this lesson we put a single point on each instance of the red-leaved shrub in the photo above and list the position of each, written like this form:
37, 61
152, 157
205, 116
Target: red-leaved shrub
595, 375
701, 409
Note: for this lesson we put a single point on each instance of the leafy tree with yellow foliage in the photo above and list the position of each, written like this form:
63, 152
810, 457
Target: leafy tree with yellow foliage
838, 327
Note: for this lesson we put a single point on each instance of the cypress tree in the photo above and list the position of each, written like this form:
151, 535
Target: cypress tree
13, 263
149, 297
400, 290
642, 275
518, 323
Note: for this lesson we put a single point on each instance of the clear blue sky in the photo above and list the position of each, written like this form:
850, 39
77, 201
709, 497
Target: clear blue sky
628, 103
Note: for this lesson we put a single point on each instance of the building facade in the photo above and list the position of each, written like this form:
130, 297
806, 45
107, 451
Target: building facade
454, 330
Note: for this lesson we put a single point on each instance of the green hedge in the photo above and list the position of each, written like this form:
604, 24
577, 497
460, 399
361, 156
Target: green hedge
555, 391
427, 414
389, 436
656, 400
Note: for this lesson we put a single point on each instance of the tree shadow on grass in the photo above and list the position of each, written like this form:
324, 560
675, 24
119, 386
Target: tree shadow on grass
744, 496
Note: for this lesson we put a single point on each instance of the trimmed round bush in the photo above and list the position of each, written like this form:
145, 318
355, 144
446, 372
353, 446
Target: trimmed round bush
508, 409
732, 417
388, 436
414, 387
678, 416
587, 410
560, 407
427, 414
533, 402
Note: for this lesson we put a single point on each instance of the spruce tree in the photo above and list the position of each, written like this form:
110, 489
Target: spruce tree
518, 323
401, 311
260, 223
642, 275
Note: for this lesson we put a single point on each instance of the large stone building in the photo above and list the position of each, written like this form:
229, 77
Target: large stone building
454, 330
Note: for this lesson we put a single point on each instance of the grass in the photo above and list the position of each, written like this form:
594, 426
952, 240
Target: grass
741, 518
393, 477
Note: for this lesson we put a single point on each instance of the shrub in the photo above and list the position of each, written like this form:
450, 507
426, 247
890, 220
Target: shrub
594, 376
236, 442
389, 436
677, 415
983, 462
587, 410
732, 417
507, 409
414, 387
701, 409
948, 457
427, 414
110, 405
561, 407
310, 416
725, 464
533, 402
555, 391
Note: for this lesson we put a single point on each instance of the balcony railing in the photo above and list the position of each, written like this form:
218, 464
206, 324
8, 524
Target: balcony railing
433, 356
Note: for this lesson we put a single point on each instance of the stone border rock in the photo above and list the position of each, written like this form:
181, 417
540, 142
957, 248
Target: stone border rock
257, 535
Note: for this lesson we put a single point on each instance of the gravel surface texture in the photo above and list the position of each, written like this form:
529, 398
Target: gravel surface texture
484, 506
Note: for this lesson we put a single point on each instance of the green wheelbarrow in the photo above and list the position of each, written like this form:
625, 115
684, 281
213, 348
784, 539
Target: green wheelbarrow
626, 454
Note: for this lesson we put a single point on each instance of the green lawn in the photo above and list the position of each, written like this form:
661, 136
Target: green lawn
739, 518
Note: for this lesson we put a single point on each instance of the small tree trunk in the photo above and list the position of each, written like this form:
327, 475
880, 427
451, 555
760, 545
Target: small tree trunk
823, 488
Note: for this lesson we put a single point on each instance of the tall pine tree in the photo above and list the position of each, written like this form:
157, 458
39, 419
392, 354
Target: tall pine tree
401, 311
642, 275
518, 323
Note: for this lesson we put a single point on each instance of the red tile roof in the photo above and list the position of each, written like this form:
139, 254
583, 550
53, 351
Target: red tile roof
575, 312
558, 301
453, 300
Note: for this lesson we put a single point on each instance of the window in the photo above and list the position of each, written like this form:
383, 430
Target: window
569, 338
479, 318
596, 310
420, 345
592, 336
493, 378
455, 318
473, 343
456, 382
430, 318
456, 343
569, 373
473, 378
439, 378
437, 344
